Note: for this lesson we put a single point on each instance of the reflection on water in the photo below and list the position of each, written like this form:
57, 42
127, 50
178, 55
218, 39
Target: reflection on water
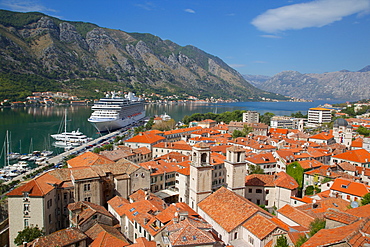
38, 123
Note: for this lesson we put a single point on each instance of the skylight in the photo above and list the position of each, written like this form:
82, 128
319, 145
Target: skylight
132, 209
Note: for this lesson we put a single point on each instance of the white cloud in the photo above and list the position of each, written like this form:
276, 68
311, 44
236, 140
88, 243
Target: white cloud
147, 6
189, 11
312, 14
270, 36
25, 6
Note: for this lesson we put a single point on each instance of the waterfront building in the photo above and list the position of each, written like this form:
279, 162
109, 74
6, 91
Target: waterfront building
318, 116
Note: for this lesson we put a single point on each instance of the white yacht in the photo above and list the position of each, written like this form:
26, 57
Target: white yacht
75, 136
114, 112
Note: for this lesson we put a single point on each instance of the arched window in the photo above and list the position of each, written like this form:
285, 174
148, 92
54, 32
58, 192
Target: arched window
235, 235
204, 158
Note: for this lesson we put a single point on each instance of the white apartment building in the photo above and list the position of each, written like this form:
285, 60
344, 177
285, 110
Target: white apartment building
251, 117
318, 116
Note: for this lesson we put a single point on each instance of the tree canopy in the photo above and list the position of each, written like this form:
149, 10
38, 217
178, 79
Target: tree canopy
225, 117
295, 170
365, 199
28, 234
255, 169
282, 242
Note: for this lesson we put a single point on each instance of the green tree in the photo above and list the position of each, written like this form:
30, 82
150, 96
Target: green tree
301, 240
365, 199
266, 117
295, 170
298, 115
282, 242
316, 226
237, 133
363, 131
28, 234
256, 169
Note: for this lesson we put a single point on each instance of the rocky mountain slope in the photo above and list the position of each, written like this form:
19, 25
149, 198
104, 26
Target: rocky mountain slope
75, 55
332, 85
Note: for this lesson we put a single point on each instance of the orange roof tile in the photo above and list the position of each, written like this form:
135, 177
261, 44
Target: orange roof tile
308, 164
146, 138
350, 187
322, 136
260, 226
143, 242
296, 215
228, 209
88, 159
349, 234
106, 239
358, 155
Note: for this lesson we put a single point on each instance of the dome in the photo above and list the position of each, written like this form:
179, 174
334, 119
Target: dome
340, 122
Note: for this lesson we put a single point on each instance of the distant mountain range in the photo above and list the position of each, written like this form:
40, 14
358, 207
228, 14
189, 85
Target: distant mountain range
43, 53
340, 85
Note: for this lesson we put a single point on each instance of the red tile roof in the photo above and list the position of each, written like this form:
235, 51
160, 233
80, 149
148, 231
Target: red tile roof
308, 164
88, 159
350, 187
322, 136
279, 180
228, 209
146, 138
358, 155
260, 226
143, 242
356, 234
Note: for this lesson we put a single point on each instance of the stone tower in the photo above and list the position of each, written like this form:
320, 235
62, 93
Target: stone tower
235, 169
200, 174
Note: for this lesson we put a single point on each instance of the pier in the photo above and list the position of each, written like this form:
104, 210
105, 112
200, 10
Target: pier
58, 159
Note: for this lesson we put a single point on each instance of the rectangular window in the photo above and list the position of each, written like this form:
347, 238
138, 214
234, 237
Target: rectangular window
249, 190
26, 223
259, 191
86, 187
267, 191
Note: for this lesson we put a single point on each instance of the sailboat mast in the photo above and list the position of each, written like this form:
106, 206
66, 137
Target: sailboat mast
7, 148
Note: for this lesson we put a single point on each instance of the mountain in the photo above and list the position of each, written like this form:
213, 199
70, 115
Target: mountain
256, 80
340, 85
43, 53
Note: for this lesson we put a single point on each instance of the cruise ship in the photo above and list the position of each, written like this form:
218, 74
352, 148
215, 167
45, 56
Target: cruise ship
114, 112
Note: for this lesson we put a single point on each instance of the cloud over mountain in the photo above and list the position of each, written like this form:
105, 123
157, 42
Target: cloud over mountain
311, 14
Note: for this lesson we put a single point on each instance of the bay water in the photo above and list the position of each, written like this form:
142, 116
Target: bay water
30, 128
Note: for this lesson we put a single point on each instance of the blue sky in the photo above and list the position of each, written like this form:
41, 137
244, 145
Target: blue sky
259, 37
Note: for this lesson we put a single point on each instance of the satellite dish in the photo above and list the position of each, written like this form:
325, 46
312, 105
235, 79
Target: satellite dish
354, 204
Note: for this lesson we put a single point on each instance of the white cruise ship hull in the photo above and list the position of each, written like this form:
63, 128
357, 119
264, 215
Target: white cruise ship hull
104, 125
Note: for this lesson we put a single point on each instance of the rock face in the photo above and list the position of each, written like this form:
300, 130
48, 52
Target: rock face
33, 43
341, 85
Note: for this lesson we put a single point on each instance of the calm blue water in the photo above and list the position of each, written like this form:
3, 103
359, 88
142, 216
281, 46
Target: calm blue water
37, 123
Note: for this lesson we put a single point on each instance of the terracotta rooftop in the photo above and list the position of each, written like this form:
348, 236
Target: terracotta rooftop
350, 187
190, 232
339, 216
228, 209
322, 136
107, 239
260, 226
148, 138
358, 156
88, 159
143, 242
280, 180
356, 235
65, 237
309, 164
296, 215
